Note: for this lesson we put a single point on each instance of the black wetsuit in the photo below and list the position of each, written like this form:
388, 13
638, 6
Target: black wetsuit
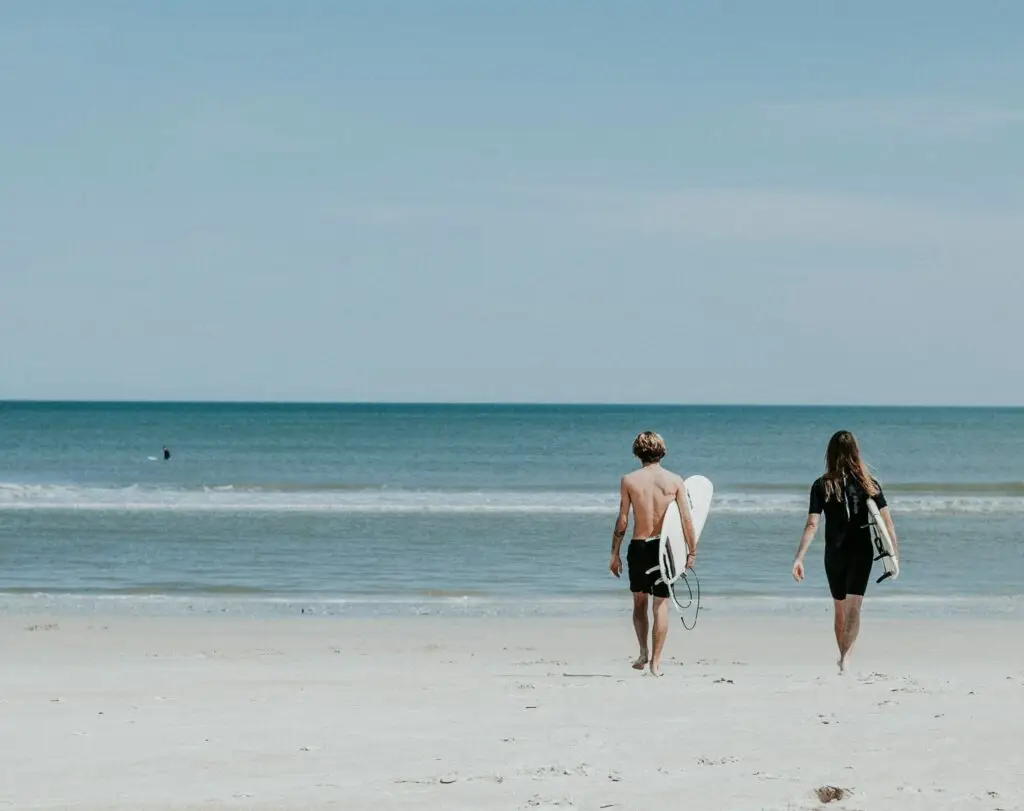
849, 552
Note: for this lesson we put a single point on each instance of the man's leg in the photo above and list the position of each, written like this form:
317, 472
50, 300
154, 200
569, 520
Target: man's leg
851, 627
640, 625
660, 632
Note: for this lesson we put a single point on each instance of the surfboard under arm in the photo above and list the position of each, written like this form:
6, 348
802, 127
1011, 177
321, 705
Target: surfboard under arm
886, 550
672, 549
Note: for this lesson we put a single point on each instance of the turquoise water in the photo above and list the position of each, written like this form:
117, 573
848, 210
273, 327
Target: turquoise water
383, 508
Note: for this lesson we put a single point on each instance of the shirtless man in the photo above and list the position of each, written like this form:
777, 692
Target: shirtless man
648, 492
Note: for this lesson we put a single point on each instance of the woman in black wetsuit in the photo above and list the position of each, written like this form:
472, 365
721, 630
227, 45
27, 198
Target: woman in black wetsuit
842, 494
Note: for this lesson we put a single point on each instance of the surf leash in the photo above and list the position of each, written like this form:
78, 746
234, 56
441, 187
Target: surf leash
685, 577
670, 575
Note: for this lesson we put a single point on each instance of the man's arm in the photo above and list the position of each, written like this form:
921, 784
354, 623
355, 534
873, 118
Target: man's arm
621, 524
689, 533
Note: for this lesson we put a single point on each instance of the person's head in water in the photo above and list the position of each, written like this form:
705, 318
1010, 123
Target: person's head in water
843, 462
649, 447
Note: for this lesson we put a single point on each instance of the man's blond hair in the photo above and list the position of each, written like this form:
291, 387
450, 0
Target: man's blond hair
649, 447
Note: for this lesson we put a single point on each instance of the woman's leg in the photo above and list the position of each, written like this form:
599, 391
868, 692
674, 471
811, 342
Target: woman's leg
840, 627
851, 627
858, 574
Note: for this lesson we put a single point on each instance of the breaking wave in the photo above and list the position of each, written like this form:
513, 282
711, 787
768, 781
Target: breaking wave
949, 499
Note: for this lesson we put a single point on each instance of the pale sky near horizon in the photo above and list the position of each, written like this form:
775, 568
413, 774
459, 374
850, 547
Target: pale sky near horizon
788, 202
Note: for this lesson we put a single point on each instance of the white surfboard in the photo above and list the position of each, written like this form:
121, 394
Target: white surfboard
883, 543
672, 549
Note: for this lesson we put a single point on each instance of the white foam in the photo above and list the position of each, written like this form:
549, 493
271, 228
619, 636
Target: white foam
227, 498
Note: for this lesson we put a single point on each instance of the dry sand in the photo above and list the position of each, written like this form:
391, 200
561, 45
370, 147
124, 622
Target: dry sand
309, 713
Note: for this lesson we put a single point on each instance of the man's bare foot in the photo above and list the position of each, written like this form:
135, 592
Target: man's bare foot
655, 669
641, 661
841, 661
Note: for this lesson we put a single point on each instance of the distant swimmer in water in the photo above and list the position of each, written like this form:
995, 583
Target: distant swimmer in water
167, 453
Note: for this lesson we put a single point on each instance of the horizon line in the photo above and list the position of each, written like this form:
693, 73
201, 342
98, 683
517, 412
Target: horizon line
492, 403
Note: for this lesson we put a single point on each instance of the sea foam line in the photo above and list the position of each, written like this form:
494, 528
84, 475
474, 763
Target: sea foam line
137, 498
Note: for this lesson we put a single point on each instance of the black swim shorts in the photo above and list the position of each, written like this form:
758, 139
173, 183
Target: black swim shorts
848, 567
641, 556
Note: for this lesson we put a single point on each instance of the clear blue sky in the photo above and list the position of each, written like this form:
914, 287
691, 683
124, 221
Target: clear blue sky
574, 201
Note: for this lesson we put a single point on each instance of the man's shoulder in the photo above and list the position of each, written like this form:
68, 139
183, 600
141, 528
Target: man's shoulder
633, 477
673, 476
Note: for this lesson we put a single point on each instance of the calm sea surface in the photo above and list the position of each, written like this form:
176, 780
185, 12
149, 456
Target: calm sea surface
399, 509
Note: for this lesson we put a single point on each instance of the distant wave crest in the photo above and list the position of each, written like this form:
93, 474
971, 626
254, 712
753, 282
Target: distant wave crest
294, 498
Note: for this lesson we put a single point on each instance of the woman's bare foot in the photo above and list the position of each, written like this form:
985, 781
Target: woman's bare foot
641, 661
655, 668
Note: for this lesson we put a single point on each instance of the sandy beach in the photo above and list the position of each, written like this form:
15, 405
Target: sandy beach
307, 713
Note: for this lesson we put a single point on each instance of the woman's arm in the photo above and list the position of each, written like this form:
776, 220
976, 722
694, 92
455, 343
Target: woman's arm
810, 529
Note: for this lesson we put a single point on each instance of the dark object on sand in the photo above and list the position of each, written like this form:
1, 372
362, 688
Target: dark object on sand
829, 793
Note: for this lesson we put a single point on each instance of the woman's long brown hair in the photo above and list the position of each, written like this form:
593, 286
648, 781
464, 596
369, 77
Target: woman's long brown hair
842, 462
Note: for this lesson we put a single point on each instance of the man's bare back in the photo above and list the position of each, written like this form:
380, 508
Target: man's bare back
650, 490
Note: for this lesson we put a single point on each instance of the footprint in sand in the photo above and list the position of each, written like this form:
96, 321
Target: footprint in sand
583, 770
722, 761
542, 803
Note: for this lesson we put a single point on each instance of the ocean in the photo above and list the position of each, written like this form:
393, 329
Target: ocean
491, 509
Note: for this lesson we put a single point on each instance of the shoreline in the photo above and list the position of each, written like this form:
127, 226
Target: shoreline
175, 713
1008, 607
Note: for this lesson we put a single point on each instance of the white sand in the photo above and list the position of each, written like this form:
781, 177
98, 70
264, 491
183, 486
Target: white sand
142, 713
